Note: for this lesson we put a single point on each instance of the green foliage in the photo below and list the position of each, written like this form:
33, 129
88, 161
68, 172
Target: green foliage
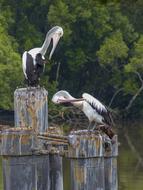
99, 52
10, 67
135, 64
112, 50
136, 61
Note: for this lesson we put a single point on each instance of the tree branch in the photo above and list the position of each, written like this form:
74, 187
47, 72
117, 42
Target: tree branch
114, 95
58, 70
137, 93
132, 147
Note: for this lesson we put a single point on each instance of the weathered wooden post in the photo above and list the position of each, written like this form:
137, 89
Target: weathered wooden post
93, 159
31, 108
56, 172
87, 161
24, 154
23, 167
23, 170
110, 163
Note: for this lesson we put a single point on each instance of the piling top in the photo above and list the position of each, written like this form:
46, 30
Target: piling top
110, 146
31, 108
90, 144
31, 89
85, 144
17, 141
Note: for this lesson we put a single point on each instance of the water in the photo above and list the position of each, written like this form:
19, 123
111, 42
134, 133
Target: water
130, 165
130, 161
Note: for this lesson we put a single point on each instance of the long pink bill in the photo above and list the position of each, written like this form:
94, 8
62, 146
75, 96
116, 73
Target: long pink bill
56, 39
70, 101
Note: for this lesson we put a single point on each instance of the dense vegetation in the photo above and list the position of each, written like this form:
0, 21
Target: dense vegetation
101, 52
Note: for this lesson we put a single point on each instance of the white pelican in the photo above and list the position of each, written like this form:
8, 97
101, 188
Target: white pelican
96, 112
33, 61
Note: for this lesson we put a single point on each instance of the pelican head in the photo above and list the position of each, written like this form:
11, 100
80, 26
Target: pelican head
53, 36
63, 96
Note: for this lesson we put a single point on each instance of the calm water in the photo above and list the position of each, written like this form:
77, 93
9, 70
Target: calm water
130, 168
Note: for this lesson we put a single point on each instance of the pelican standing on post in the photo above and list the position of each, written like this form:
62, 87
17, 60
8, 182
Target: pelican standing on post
96, 112
33, 61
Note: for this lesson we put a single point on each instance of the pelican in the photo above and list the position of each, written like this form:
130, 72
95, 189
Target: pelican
33, 61
96, 112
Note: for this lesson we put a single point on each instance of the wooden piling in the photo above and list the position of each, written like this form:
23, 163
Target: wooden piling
87, 162
31, 108
110, 163
93, 159
56, 172
23, 169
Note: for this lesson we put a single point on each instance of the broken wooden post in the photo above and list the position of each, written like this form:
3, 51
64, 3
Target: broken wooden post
24, 154
31, 108
93, 159
25, 167
22, 169
110, 163
56, 172
87, 161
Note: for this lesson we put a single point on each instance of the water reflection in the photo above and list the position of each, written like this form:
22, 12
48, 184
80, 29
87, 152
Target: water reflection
130, 161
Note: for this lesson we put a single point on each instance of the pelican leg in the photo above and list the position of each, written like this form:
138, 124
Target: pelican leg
94, 127
91, 125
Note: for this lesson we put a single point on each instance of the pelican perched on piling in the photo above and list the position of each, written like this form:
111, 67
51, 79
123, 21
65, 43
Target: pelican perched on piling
33, 61
96, 112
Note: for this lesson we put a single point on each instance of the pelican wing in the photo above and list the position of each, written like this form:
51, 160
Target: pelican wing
29, 66
96, 104
24, 62
99, 108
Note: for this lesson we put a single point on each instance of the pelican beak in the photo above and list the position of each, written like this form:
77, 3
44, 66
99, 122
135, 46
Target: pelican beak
70, 101
55, 40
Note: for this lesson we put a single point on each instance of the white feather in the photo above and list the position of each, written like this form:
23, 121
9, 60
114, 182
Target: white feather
96, 103
24, 57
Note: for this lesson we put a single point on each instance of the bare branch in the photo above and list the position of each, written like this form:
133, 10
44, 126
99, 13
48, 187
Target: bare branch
132, 147
137, 93
58, 70
139, 75
114, 95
